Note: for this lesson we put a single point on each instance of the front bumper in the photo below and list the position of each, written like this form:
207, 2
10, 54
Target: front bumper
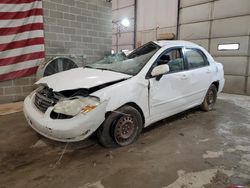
65, 130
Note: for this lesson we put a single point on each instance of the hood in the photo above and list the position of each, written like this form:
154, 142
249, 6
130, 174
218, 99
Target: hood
84, 78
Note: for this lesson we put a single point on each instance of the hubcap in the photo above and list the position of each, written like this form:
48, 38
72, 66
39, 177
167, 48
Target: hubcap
125, 130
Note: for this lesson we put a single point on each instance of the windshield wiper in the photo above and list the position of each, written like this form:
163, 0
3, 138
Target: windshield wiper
96, 68
103, 69
88, 67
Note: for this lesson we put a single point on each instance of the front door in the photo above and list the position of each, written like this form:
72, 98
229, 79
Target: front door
167, 95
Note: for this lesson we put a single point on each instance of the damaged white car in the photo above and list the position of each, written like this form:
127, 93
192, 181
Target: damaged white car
117, 99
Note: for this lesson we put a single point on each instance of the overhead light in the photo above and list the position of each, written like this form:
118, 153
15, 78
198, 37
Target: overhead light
233, 46
125, 22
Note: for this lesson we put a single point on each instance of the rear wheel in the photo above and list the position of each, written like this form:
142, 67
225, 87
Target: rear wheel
210, 99
120, 128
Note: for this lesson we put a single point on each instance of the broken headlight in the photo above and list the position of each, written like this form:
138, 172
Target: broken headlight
76, 106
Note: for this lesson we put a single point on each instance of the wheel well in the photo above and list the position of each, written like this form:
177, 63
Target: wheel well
134, 105
217, 84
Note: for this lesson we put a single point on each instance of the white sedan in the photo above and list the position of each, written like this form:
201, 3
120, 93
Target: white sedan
117, 99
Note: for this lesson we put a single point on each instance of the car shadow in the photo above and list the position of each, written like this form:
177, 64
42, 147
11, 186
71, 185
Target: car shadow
171, 119
92, 141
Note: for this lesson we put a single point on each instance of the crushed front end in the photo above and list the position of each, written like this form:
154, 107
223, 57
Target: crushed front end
66, 116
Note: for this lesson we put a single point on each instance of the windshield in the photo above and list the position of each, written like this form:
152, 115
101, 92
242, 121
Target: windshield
131, 64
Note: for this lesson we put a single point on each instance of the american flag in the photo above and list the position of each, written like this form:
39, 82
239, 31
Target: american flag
21, 38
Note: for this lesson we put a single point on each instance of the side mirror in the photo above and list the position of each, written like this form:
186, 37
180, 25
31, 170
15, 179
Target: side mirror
160, 70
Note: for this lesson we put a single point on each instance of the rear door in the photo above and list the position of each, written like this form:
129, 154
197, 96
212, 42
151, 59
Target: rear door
200, 74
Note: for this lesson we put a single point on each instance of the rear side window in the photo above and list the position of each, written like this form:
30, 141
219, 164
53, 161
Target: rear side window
195, 59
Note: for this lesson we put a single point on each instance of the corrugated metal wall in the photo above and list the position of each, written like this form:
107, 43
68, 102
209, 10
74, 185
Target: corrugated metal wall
125, 38
154, 18
213, 22
206, 22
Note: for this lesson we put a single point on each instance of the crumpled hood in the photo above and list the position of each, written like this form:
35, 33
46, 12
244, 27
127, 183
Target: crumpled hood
80, 78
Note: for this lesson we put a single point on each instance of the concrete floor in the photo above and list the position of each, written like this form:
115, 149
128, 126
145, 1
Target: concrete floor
193, 149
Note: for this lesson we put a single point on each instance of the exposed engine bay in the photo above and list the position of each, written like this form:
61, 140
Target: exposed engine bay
45, 97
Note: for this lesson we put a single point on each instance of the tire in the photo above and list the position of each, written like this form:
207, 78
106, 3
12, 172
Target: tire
121, 128
210, 99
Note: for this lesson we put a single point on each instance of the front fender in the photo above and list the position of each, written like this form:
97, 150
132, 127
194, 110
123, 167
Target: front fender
130, 91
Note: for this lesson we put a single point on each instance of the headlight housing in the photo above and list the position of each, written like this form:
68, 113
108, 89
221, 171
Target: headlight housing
76, 106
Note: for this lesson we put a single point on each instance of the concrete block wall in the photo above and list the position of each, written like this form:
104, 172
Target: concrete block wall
81, 28
213, 22
16, 90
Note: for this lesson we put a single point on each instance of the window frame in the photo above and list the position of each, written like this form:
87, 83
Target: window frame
203, 55
181, 49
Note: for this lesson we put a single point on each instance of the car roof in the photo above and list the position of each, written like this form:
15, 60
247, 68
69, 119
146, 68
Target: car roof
172, 43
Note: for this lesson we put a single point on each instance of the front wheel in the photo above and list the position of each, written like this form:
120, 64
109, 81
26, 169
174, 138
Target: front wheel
121, 127
210, 99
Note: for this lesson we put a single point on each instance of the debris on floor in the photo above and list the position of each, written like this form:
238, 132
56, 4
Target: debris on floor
202, 178
93, 185
212, 154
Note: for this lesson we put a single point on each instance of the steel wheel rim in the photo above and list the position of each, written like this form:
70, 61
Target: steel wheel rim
125, 130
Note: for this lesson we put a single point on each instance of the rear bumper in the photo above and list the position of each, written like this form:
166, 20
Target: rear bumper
68, 130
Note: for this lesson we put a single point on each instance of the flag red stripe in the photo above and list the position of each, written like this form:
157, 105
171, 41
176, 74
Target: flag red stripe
21, 58
20, 15
17, 1
21, 43
17, 74
21, 29
20, 49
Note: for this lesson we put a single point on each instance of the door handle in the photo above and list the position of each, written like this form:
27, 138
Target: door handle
208, 71
184, 77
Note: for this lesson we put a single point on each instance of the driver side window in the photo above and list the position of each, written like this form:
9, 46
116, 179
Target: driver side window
174, 60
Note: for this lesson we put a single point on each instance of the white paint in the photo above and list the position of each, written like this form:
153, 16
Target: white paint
212, 154
23, 51
173, 93
21, 7
22, 36
21, 22
80, 78
160, 70
20, 66
197, 179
